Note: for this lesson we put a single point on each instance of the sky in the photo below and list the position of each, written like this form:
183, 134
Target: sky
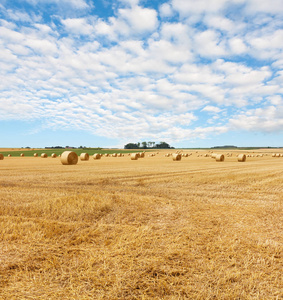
102, 73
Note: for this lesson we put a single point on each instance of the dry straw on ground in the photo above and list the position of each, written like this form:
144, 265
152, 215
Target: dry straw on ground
84, 156
154, 229
69, 158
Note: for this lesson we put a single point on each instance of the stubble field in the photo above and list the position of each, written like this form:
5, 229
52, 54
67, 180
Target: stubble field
147, 229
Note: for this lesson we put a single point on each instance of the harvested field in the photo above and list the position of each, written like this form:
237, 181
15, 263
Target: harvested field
147, 229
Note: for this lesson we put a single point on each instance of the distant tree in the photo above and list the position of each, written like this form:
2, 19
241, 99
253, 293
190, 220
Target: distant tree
144, 145
131, 146
163, 145
153, 143
138, 144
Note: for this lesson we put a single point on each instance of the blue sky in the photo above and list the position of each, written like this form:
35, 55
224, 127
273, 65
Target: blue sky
105, 73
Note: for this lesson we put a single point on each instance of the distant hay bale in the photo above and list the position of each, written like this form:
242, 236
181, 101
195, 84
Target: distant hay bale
1, 156
177, 156
84, 156
53, 155
277, 155
167, 154
22, 155
106, 154
242, 157
9, 155
134, 156
114, 155
35, 155
142, 154
96, 156
213, 155
69, 158
273, 155
44, 155
219, 157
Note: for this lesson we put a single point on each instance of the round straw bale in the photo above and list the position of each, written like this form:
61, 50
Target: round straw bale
22, 154
213, 155
219, 157
84, 156
96, 156
134, 156
142, 155
69, 158
277, 155
53, 155
35, 155
114, 154
9, 155
242, 157
1, 156
44, 155
177, 156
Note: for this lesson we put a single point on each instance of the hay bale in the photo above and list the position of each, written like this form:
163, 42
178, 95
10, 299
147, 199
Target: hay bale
213, 155
44, 155
96, 156
177, 156
35, 155
22, 155
53, 155
114, 155
134, 156
277, 155
142, 154
69, 158
1, 156
242, 157
219, 157
84, 156
9, 155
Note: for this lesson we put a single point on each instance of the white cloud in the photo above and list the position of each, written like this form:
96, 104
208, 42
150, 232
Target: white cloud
211, 109
140, 19
165, 10
78, 26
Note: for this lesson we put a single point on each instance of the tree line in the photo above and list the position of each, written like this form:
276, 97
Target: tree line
148, 145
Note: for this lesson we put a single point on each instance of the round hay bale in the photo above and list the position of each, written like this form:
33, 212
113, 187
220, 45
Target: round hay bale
134, 156
1, 156
53, 155
84, 156
44, 155
69, 158
9, 155
277, 155
35, 155
96, 156
142, 155
219, 157
213, 155
177, 156
22, 155
114, 155
242, 157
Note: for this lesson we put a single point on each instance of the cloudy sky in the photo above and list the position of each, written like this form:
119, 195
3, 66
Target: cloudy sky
105, 73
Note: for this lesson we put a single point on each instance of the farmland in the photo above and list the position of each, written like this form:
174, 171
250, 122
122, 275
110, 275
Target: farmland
152, 228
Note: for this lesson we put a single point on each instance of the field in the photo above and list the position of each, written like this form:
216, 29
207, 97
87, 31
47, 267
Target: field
147, 229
